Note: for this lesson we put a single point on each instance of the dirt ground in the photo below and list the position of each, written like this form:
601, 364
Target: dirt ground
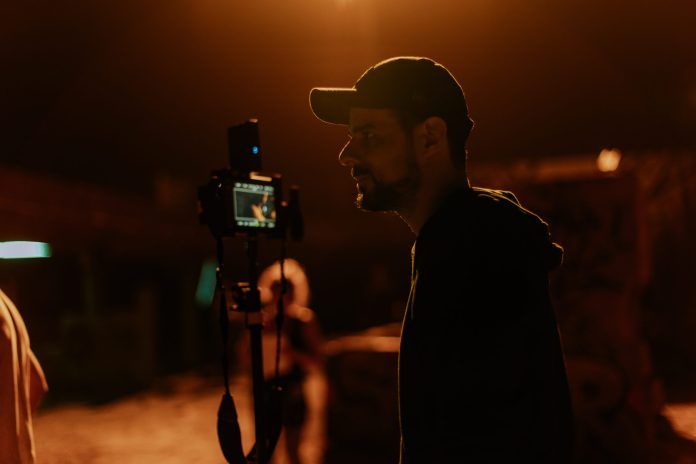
176, 423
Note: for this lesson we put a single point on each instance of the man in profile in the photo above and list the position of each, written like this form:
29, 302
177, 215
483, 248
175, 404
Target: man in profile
481, 370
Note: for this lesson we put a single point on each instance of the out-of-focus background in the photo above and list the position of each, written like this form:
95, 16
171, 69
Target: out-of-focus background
111, 114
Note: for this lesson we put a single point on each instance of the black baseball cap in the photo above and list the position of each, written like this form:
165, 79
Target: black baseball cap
414, 84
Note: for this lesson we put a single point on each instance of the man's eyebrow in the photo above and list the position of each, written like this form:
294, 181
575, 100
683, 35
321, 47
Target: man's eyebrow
362, 127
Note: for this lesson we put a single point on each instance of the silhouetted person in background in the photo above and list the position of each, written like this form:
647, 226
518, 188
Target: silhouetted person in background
22, 385
481, 369
301, 347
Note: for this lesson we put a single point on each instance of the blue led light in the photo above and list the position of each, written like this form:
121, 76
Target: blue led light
255, 150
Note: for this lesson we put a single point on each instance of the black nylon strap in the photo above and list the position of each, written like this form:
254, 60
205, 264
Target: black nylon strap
223, 318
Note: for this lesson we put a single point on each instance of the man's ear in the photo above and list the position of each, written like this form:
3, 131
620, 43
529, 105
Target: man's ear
435, 132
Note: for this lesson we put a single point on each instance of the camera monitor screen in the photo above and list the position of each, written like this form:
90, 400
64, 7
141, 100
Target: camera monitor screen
254, 205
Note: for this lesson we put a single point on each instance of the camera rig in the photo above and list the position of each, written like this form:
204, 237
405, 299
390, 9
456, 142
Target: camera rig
238, 201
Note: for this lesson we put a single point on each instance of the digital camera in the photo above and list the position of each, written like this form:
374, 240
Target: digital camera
238, 200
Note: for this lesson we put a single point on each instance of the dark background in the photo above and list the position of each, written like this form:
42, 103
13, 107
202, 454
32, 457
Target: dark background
113, 92
116, 96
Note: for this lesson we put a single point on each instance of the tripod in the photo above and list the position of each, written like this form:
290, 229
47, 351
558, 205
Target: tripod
267, 395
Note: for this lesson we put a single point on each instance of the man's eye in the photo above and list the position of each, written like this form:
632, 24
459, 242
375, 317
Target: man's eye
364, 137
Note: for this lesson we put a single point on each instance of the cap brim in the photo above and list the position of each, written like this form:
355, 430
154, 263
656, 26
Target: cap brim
332, 105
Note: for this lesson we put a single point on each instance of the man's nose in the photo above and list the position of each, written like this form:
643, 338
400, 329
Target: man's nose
347, 155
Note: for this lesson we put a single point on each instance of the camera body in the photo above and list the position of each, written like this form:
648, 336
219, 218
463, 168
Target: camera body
239, 201
241, 205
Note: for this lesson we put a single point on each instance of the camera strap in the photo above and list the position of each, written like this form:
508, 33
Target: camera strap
280, 313
223, 316
229, 434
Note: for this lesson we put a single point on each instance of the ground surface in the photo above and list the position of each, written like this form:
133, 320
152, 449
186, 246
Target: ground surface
175, 423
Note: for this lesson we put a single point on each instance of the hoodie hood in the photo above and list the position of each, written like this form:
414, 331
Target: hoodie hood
495, 219
534, 229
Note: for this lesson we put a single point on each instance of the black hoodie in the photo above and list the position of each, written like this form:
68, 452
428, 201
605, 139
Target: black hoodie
481, 370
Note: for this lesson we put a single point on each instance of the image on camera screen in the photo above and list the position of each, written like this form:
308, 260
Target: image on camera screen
254, 205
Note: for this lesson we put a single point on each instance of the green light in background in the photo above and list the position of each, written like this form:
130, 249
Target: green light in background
24, 250
206, 283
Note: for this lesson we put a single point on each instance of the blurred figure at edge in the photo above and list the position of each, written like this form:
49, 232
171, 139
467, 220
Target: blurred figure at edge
22, 385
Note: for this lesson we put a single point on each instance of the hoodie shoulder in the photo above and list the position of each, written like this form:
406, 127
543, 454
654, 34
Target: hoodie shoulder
511, 229
496, 193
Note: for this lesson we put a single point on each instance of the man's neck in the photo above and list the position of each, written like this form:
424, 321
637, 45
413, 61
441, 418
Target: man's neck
426, 203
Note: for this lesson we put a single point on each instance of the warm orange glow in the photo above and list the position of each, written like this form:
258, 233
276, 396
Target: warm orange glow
608, 160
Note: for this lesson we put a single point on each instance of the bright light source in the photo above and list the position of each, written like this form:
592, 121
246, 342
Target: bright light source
22, 250
608, 160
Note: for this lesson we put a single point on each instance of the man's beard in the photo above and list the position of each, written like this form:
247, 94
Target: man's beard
392, 196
